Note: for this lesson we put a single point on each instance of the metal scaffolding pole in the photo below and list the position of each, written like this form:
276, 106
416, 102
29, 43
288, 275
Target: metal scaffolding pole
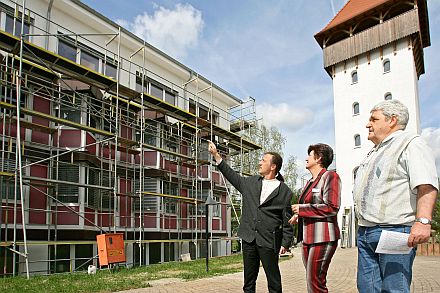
19, 171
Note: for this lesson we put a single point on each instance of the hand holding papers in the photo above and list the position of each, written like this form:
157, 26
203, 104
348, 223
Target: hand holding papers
391, 242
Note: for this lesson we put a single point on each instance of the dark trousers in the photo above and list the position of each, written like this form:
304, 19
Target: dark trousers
252, 255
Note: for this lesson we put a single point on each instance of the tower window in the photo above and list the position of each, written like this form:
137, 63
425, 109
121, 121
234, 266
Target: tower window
354, 77
356, 108
386, 66
388, 96
357, 140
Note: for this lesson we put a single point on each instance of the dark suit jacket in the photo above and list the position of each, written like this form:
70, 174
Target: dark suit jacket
265, 223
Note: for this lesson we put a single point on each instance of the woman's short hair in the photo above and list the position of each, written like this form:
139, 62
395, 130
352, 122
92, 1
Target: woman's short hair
324, 151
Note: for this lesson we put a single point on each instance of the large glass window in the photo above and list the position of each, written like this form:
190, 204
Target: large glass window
70, 107
110, 70
9, 26
192, 107
89, 60
60, 258
83, 256
170, 98
156, 91
67, 50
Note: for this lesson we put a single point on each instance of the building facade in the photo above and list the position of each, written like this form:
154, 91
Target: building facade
373, 51
102, 133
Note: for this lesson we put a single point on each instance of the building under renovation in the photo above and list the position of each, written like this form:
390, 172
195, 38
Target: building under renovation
102, 133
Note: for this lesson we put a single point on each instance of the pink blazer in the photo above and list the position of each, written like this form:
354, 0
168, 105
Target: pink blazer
318, 208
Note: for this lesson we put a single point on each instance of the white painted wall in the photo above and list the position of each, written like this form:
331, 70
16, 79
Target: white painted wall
401, 81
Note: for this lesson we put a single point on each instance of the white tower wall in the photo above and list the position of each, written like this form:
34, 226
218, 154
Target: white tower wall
372, 85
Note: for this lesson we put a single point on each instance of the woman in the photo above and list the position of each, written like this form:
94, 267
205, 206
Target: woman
316, 216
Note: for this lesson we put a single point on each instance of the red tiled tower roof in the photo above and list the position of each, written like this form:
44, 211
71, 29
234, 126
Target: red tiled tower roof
352, 9
355, 10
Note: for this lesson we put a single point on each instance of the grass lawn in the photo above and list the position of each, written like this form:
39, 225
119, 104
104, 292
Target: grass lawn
123, 278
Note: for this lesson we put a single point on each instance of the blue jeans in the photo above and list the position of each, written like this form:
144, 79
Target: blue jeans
379, 272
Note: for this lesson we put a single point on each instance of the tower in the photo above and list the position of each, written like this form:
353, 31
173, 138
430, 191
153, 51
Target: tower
373, 50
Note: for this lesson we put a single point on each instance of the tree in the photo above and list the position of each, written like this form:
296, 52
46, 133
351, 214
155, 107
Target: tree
270, 139
290, 172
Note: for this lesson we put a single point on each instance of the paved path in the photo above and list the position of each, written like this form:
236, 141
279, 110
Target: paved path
341, 277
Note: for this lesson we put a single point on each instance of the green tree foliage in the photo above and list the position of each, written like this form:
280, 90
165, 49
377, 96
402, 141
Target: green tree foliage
270, 140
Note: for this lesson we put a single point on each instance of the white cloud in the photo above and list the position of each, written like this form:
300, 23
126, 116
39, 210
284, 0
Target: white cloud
432, 137
172, 31
284, 116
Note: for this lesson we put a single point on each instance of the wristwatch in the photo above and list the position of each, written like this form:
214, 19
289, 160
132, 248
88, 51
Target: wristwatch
424, 221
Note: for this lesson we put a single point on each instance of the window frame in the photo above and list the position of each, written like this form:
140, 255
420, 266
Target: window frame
355, 104
386, 61
354, 77
357, 141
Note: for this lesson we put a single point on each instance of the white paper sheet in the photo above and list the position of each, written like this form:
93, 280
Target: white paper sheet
391, 242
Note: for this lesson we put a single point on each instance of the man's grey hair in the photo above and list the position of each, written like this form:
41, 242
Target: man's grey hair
394, 108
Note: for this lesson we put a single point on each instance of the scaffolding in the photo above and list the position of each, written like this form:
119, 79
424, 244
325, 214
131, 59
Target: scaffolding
114, 148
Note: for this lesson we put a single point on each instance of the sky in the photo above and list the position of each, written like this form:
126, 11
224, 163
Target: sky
266, 50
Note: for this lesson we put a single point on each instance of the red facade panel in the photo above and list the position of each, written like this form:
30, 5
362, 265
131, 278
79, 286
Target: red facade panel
70, 138
40, 105
169, 222
37, 197
105, 218
89, 214
90, 139
149, 220
11, 129
65, 216
215, 224
8, 214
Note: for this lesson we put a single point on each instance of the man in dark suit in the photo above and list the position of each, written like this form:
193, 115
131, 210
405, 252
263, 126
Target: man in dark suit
264, 226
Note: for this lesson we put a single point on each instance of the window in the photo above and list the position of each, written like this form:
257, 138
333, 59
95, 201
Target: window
156, 91
388, 96
110, 70
192, 107
386, 66
357, 140
354, 77
149, 202
170, 98
170, 205
83, 256
201, 209
67, 50
356, 108
70, 107
68, 193
9, 26
60, 258
9, 96
89, 60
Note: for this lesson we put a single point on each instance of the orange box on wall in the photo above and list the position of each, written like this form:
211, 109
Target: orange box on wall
110, 248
